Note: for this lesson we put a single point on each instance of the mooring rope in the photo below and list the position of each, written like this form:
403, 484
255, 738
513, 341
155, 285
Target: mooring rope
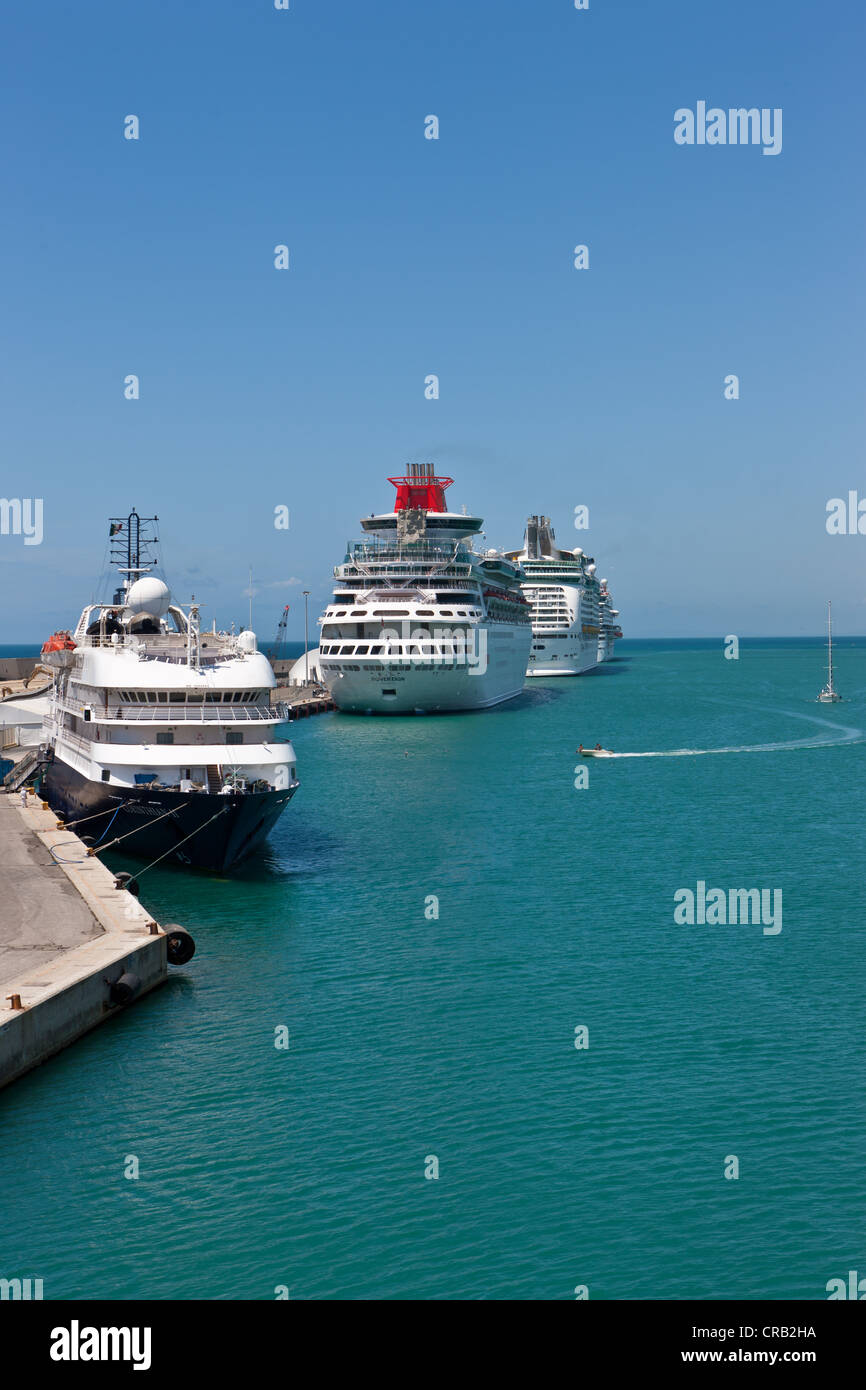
220, 812
82, 820
144, 824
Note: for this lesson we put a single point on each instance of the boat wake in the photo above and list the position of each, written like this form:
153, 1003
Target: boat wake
844, 734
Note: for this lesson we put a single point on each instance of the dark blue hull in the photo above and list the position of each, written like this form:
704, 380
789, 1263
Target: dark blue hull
195, 828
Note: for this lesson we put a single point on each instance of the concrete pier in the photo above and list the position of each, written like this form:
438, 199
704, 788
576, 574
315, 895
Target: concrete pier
67, 935
304, 700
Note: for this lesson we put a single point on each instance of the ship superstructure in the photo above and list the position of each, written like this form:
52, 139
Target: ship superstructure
566, 603
609, 630
160, 729
420, 622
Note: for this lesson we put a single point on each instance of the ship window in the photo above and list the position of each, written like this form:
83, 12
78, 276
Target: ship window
424, 612
176, 697
446, 613
234, 736
165, 736
361, 651
87, 716
106, 775
162, 697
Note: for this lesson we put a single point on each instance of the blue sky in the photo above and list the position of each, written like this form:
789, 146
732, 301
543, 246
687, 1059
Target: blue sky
558, 387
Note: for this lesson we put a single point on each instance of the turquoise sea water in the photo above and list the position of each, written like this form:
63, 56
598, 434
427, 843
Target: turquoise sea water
454, 1036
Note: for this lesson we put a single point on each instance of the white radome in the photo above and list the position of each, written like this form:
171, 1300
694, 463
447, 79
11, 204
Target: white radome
247, 641
148, 598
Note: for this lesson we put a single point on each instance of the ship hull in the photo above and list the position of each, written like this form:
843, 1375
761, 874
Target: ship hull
419, 687
573, 656
217, 832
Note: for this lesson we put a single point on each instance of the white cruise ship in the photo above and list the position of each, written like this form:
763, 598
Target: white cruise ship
609, 630
565, 599
421, 623
158, 732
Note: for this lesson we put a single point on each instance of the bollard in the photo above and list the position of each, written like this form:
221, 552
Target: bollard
14, 1001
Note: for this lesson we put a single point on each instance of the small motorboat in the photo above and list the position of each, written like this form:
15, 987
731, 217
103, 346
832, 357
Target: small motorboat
596, 752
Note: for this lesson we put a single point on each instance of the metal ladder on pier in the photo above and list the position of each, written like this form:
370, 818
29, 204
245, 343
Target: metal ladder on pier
27, 768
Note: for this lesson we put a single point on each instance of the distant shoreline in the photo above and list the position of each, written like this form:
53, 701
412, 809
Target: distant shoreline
290, 650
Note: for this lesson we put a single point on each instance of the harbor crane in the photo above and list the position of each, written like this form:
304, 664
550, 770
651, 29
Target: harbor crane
274, 651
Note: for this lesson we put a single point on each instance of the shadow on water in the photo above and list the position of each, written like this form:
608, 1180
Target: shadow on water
312, 849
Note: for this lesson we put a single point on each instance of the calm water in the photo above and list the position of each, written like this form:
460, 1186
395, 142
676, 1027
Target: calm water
454, 1036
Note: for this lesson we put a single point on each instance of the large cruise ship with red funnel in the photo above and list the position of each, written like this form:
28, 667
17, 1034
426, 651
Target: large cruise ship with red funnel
420, 621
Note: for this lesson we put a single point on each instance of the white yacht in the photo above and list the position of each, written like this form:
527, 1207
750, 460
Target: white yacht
565, 600
420, 622
829, 695
158, 732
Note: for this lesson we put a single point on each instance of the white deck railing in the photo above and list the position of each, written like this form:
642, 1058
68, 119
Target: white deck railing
184, 714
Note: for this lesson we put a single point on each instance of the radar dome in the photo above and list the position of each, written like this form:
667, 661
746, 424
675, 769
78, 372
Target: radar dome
578, 550
148, 598
247, 641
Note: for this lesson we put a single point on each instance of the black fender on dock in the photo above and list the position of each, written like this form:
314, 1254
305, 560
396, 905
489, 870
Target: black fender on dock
179, 945
124, 989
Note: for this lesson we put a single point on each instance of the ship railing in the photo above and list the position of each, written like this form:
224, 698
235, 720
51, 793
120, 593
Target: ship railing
172, 650
83, 745
406, 554
193, 713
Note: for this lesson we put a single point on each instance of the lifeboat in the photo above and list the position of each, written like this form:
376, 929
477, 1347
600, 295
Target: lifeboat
58, 650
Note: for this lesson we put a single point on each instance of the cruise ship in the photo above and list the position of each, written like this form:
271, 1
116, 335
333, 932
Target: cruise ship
609, 630
160, 736
566, 603
420, 622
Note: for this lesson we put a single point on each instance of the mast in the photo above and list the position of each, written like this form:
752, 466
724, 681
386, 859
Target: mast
829, 646
132, 539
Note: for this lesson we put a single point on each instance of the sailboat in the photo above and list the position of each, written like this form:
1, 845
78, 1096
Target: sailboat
829, 695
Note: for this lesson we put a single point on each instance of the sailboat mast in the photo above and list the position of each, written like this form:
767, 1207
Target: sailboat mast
830, 643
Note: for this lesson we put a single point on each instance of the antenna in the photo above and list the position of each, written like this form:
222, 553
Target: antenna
132, 538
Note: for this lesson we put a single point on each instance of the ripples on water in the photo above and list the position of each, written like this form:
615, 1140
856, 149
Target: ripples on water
454, 1036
